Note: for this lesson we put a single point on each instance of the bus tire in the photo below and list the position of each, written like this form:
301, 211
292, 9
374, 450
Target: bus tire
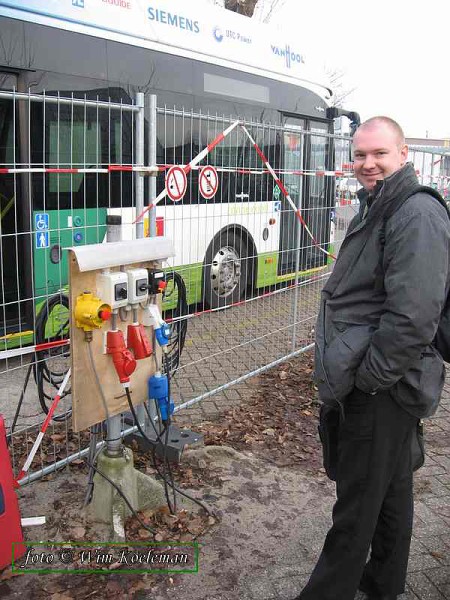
225, 270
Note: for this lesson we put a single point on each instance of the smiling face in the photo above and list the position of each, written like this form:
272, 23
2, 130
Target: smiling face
378, 151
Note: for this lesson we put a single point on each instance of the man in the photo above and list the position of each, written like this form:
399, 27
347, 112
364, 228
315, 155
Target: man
375, 361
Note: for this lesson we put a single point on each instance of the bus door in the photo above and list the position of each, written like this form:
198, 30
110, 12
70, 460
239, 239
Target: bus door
318, 195
12, 217
293, 158
307, 148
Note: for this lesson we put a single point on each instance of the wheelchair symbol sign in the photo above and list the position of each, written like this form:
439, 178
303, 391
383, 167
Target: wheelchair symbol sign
41, 221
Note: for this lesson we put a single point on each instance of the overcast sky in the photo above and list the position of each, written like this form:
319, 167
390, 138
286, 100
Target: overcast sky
396, 53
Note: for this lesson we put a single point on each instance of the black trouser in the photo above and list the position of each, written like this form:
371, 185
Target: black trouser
374, 502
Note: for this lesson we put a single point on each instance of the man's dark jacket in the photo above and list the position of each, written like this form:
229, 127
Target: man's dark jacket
381, 339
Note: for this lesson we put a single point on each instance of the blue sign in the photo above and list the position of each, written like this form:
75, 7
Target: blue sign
41, 221
42, 240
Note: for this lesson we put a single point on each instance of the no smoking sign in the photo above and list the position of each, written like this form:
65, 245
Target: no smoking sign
208, 182
176, 183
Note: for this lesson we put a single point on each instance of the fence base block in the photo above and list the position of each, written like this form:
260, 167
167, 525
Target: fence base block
176, 442
108, 506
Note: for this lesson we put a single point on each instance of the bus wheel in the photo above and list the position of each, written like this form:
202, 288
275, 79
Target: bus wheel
225, 273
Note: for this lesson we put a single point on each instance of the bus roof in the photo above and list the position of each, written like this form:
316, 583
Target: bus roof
196, 30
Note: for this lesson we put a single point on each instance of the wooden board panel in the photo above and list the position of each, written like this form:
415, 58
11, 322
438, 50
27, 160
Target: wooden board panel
87, 404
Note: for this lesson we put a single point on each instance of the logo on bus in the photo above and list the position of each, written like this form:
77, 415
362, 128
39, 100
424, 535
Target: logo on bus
231, 35
289, 55
78, 3
173, 19
217, 33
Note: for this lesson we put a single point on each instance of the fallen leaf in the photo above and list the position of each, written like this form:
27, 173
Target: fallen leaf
269, 431
78, 532
143, 533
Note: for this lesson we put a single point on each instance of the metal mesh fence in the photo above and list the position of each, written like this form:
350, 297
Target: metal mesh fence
256, 211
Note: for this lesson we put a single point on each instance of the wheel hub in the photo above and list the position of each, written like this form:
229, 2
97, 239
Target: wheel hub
225, 271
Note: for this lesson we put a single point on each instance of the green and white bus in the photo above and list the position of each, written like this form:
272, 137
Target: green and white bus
207, 67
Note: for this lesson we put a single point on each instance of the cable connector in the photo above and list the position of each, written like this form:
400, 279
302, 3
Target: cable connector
158, 390
152, 318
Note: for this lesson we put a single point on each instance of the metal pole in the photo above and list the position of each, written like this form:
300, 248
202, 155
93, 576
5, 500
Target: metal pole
297, 245
152, 161
139, 157
114, 445
152, 136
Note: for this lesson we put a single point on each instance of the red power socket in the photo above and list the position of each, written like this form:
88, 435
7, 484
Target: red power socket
138, 342
123, 359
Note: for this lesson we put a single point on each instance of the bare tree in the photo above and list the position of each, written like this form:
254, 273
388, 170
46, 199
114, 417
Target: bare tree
243, 7
261, 10
341, 91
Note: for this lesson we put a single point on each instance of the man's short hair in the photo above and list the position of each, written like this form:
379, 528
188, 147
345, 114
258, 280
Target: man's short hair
386, 121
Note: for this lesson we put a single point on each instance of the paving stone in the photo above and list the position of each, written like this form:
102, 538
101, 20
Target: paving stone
290, 587
419, 562
423, 587
262, 589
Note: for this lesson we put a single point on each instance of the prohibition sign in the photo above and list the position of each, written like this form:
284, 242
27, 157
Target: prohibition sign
176, 183
208, 182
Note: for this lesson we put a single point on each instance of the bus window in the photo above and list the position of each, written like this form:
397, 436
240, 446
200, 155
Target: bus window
81, 138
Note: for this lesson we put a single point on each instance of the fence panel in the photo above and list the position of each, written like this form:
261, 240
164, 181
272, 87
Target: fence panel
256, 210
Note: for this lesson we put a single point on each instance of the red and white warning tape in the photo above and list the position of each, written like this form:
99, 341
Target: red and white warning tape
187, 168
108, 169
154, 170
4, 354
41, 434
286, 194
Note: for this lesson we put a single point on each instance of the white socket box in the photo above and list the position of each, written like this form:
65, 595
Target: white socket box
137, 278
112, 288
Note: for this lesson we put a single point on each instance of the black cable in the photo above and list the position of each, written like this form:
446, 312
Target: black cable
94, 431
151, 442
178, 327
41, 371
119, 491
141, 431
165, 461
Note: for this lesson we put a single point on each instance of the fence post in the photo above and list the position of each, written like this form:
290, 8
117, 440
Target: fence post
139, 158
152, 161
139, 192
298, 231
114, 445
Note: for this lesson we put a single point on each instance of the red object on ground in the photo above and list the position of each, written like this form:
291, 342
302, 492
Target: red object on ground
138, 342
10, 523
124, 361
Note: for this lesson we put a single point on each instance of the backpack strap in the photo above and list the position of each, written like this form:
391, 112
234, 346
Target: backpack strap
393, 206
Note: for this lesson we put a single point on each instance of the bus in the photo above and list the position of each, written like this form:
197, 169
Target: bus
70, 73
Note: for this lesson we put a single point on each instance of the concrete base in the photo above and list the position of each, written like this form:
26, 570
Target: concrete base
108, 506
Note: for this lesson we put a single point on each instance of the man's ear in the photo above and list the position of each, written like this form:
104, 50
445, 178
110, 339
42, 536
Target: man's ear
404, 153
